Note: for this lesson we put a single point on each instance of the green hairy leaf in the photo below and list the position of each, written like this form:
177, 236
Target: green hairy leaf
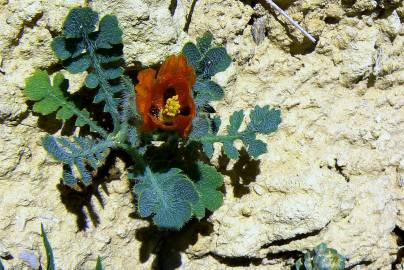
49, 253
209, 181
321, 258
81, 47
167, 197
207, 62
262, 120
109, 34
76, 155
51, 98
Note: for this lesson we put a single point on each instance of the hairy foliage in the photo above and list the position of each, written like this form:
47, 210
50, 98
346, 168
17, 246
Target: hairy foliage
262, 120
168, 197
77, 154
321, 258
169, 186
207, 62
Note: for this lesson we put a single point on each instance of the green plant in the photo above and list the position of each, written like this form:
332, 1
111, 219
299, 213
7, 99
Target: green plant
169, 187
49, 253
321, 258
50, 265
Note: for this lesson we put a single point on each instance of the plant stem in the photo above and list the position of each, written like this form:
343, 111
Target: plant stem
295, 24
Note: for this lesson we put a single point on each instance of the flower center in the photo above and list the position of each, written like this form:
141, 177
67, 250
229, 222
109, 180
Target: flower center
172, 107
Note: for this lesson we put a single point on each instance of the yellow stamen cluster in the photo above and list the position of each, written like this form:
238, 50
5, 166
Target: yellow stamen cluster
172, 107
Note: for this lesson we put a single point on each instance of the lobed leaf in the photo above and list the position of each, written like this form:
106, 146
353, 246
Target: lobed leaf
230, 150
77, 64
109, 32
167, 197
264, 120
235, 122
200, 127
67, 48
204, 42
192, 54
206, 91
91, 80
207, 185
215, 60
255, 147
79, 22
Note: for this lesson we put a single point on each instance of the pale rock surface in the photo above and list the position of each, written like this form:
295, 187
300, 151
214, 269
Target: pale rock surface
334, 172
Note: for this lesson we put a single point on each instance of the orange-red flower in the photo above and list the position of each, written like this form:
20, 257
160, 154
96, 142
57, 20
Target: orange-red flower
165, 101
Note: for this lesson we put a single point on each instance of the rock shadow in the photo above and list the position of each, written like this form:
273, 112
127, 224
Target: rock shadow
244, 171
79, 202
167, 246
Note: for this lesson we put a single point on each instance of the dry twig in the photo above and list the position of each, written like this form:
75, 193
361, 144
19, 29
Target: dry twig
277, 8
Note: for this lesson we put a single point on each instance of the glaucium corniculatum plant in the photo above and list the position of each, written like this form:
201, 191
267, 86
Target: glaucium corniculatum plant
166, 123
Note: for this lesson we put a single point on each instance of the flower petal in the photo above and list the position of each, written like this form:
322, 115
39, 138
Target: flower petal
144, 96
176, 66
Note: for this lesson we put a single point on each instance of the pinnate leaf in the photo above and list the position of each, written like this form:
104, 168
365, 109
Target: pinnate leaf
207, 62
77, 154
262, 120
82, 48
